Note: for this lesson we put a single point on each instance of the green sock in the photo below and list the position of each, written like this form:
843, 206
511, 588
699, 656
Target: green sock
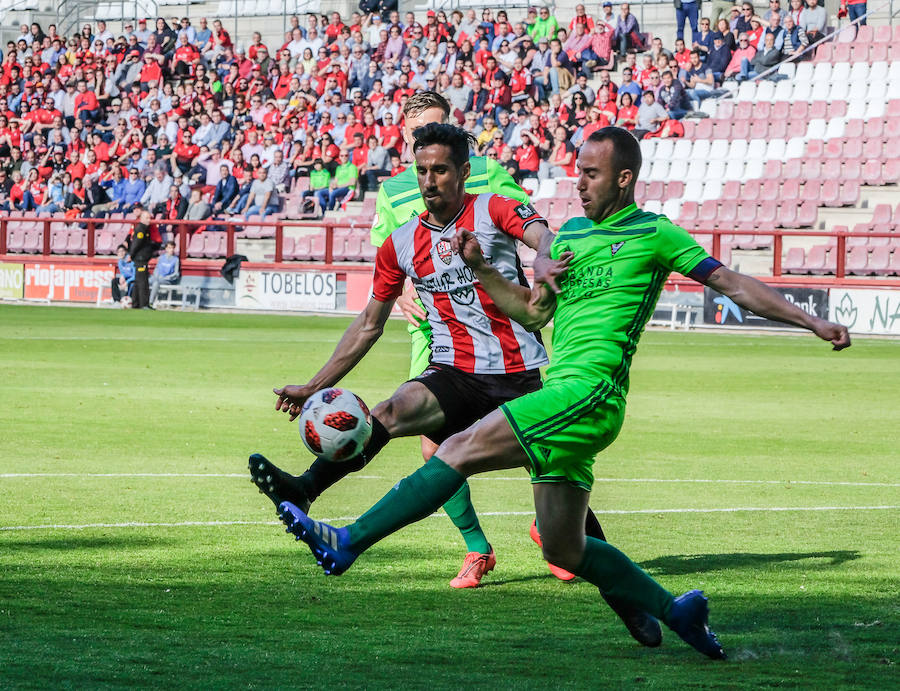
413, 498
463, 515
615, 574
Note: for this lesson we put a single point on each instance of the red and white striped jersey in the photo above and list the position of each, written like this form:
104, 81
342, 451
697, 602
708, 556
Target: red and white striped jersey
468, 331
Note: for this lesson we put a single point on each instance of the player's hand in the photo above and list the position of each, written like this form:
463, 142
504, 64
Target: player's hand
836, 333
547, 270
409, 305
291, 399
466, 245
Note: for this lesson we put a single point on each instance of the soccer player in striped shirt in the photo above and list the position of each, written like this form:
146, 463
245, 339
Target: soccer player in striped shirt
613, 265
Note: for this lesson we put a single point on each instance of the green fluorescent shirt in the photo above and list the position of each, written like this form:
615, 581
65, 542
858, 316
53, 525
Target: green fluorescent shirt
346, 175
611, 288
400, 200
544, 28
319, 179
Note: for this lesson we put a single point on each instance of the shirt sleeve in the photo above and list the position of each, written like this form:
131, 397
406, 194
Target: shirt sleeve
512, 216
501, 182
384, 222
387, 283
678, 251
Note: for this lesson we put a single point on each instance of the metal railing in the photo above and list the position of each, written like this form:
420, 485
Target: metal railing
328, 227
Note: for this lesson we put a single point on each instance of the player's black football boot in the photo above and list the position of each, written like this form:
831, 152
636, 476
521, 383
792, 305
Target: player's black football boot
276, 484
643, 628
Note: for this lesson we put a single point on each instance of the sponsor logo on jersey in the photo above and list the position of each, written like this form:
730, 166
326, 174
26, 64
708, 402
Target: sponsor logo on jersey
525, 211
444, 251
616, 246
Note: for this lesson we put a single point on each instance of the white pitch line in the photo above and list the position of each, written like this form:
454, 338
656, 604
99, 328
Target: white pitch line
613, 512
481, 479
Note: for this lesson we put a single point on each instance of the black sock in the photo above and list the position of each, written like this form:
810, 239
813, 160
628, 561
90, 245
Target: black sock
592, 526
323, 474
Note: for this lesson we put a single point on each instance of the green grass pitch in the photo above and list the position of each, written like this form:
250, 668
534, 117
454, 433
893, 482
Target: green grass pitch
138, 425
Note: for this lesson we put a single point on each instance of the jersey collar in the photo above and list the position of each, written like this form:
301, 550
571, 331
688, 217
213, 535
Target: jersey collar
434, 226
619, 216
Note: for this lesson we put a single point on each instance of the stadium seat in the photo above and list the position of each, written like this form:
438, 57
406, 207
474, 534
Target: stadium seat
775, 149
701, 148
793, 262
871, 172
796, 148
696, 170
565, 189
734, 170
671, 208
815, 148
829, 194
34, 241
851, 170
287, 248
881, 214
704, 130
648, 148
687, 215
726, 215
682, 149
693, 191
712, 189
732, 190
664, 148
849, 191
302, 248
792, 168
708, 212
77, 241
857, 259
767, 213
654, 206
891, 170
819, 260
787, 216
59, 240
831, 169
674, 190
807, 214
678, 170
654, 190
15, 239
196, 244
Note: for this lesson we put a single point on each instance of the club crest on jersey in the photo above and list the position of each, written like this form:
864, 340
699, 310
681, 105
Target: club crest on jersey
616, 246
525, 211
444, 251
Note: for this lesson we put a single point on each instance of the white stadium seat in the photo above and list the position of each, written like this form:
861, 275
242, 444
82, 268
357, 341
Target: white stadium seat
756, 149
678, 169
856, 110
653, 206
696, 170
875, 109
710, 106
712, 190
796, 148
802, 91
788, 69
859, 72
718, 149
775, 150
754, 170
835, 128
664, 148
659, 171
734, 170
858, 91
783, 90
747, 91
805, 72
878, 70
816, 129
839, 91
648, 148
682, 149
841, 72
671, 208
693, 191
737, 150
765, 91
701, 148
715, 170
821, 73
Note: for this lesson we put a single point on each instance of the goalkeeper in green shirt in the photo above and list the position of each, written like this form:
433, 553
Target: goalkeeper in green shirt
607, 271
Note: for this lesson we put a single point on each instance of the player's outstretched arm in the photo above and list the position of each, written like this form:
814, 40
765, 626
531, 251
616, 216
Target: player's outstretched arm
767, 302
546, 269
359, 337
513, 299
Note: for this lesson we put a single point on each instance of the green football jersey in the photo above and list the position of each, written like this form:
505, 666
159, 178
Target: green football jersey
400, 200
611, 287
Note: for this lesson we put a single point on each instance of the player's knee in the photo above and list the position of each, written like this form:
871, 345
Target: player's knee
566, 556
386, 412
457, 453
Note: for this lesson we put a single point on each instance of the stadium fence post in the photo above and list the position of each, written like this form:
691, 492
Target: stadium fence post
3, 226
329, 243
279, 241
841, 250
91, 233
46, 237
229, 241
716, 243
182, 244
776, 255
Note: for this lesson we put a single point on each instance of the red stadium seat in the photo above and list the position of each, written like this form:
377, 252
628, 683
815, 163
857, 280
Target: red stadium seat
790, 190
799, 110
690, 128
818, 109
815, 149
771, 188
837, 109
317, 247
731, 190
819, 260
793, 262
792, 169
15, 240
542, 206
851, 170
893, 108
834, 148
654, 190
34, 241
891, 171
852, 148
704, 129
855, 127
787, 215
878, 52
780, 110
759, 129
841, 52
762, 111
721, 129
830, 193
746, 216
772, 170
894, 264
77, 241
708, 212
882, 34
871, 172
859, 52
857, 259
872, 148
831, 170
287, 248
849, 194
674, 190
196, 244
727, 214
565, 189
301, 249
743, 110
824, 53
59, 240
726, 110
740, 129
750, 192
766, 214
879, 260
881, 214
882, 241
688, 214
807, 214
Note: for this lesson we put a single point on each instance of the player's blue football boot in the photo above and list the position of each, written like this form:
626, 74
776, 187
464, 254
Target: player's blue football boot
689, 619
326, 542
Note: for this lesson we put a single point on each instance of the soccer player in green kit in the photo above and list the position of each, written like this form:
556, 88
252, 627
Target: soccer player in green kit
608, 270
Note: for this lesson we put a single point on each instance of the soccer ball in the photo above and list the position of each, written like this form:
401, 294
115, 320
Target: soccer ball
335, 424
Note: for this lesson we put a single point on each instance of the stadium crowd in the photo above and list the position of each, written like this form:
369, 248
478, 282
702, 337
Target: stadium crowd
188, 123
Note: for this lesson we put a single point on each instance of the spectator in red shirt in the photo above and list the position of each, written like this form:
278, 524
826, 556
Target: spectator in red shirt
87, 108
184, 153
184, 58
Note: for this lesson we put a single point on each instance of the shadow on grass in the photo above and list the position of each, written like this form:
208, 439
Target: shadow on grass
74, 541
681, 564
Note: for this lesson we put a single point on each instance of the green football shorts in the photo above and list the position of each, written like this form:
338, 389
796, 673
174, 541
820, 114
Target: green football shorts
564, 425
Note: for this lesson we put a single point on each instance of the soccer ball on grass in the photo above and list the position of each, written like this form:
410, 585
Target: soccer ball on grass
335, 424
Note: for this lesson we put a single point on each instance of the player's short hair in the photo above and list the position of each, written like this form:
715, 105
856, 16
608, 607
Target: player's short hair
420, 102
626, 150
454, 138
